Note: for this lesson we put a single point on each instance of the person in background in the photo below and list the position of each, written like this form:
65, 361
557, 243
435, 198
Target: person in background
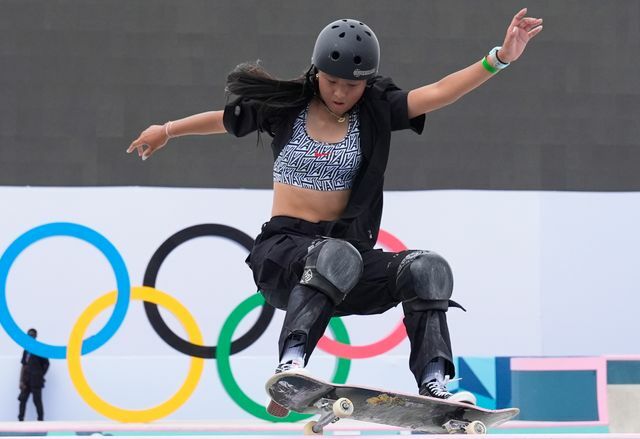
32, 380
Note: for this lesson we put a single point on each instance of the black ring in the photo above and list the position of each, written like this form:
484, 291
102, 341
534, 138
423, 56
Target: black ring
151, 275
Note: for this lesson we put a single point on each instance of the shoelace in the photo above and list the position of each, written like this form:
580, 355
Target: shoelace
288, 366
438, 390
439, 387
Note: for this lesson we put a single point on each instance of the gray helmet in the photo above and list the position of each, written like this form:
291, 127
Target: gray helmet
347, 49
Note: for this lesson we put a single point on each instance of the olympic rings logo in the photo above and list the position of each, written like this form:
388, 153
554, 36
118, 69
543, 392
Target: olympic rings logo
152, 298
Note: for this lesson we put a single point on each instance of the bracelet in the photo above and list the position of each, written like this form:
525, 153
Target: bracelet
488, 66
166, 129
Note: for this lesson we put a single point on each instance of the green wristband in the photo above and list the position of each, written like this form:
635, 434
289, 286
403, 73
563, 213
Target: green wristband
488, 66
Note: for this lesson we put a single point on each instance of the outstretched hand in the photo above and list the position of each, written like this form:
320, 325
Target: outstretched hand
149, 141
521, 30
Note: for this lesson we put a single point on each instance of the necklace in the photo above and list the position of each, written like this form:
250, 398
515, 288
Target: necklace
339, 118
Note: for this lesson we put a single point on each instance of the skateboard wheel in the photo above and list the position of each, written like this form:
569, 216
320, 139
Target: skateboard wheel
343, 408
309, 430
476, 427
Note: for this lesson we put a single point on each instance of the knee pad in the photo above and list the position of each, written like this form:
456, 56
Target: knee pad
425, 281
333, 267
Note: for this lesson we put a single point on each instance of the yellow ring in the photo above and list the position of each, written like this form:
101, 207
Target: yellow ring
98, 404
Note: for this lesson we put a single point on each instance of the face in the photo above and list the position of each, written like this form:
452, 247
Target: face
32, 333
339, 94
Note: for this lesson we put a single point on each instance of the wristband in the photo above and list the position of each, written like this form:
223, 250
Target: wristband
493, 55
499, 60
488, 66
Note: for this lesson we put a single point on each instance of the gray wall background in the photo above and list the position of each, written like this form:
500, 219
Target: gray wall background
80, 79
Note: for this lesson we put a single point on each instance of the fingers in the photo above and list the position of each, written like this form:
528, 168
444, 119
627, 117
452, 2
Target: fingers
518, 16
522, 21
532, 33
139, 145
521, 13
530, 23
135, 144
532, 26
150, 150
149, 141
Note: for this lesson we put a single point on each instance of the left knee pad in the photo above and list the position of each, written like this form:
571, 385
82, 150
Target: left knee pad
425, 277
334, 267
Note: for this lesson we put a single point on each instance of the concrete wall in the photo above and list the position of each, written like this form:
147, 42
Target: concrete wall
80, 79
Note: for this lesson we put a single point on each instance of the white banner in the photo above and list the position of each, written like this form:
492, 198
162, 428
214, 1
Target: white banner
540, 274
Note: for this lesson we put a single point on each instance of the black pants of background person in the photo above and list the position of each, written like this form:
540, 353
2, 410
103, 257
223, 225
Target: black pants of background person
277, 261
37, 400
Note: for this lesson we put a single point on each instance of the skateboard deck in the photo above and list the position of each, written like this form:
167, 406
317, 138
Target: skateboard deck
302, 393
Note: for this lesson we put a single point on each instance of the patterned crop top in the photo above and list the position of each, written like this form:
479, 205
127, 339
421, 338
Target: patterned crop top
310, 164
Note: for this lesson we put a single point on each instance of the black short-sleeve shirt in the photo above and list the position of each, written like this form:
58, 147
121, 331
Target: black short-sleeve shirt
383, 109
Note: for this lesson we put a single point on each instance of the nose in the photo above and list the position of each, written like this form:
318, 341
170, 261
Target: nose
340, 92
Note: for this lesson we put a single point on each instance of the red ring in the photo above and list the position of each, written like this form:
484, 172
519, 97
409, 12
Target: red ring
392, 340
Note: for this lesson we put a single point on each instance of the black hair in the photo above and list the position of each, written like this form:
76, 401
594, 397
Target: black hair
252, 81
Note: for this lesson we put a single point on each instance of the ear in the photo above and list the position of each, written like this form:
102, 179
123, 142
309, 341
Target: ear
312, 77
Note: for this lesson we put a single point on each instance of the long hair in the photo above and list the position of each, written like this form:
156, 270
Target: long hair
252, 81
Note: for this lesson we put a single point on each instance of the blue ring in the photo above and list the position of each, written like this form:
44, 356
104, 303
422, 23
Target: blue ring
85, 234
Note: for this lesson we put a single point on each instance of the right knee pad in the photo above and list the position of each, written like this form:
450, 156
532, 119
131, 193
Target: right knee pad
333, 267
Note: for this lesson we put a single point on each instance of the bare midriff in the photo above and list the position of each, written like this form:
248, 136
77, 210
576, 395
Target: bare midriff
308, 204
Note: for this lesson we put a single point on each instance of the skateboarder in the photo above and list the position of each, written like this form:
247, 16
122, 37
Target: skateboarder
331, 132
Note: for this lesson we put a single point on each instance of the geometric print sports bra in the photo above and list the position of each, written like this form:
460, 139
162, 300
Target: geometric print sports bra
310, 164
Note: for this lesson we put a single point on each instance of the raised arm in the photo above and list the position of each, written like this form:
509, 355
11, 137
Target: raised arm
157, 136
452, 87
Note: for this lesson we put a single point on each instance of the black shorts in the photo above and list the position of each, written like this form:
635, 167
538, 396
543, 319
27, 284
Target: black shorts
278, 258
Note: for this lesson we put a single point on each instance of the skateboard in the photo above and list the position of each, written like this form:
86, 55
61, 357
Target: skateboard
302, 393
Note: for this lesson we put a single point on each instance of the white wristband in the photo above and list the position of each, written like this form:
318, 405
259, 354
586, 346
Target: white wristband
493, 59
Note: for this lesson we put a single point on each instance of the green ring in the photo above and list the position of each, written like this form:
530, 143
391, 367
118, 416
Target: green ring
224, 365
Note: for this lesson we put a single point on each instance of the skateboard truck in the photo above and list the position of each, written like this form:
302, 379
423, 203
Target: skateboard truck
475, 427
332, 411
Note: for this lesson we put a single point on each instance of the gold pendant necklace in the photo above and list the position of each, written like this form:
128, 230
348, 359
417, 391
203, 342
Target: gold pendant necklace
339, 118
